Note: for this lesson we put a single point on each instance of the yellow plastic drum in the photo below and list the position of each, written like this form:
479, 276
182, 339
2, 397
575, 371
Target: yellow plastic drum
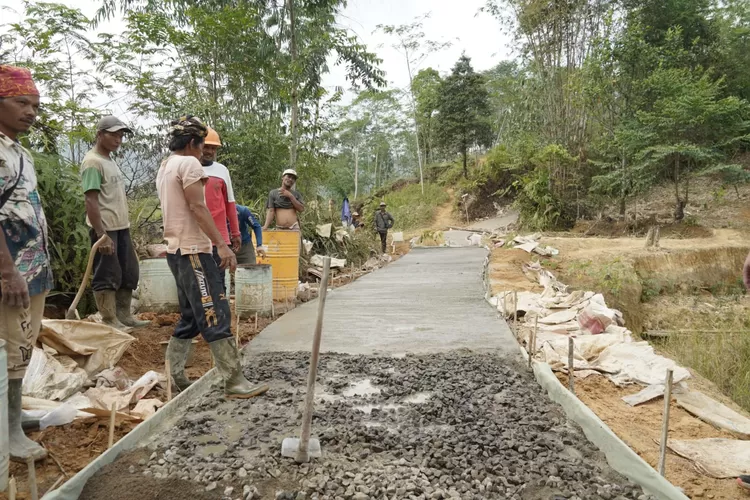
283, 255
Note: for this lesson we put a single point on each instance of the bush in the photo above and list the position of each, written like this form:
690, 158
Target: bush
64, 206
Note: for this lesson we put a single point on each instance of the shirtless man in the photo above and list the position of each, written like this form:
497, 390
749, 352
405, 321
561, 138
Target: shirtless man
284, 203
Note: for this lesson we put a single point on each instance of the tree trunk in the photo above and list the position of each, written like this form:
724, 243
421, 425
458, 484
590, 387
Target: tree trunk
356, 172
416, 125
679, 210
623, 189
295, 103
466, 170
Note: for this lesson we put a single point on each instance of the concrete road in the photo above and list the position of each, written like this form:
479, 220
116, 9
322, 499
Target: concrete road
495, 222
431, 300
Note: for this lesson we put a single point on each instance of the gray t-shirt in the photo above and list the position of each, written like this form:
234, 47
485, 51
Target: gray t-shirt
275, 200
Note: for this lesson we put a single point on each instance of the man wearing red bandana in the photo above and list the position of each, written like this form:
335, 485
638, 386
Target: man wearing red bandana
25, 272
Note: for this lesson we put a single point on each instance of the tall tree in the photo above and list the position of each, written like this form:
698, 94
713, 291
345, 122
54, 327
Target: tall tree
464, 111
411, 42
426, 91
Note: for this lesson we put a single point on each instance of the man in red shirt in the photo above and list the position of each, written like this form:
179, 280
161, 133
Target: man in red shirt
220, 196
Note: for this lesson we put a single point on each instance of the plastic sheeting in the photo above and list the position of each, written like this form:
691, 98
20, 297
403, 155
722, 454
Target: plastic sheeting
715, 457
52, 378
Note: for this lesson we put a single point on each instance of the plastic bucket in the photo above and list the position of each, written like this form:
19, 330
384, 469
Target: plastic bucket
157, 290
283, 256
4, 443
253, 290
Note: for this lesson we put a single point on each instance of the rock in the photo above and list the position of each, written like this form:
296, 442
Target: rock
242, 473
228, 491
212, 486
131, 469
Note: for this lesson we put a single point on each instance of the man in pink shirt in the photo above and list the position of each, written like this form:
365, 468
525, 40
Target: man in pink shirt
220, 195
189, 230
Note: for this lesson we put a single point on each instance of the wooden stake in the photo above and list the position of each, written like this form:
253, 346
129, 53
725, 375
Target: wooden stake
256, 322
168, 369
532, 341
55, 485
12, 489
571, 367
112, 415
32, 479
665, 423
515, 310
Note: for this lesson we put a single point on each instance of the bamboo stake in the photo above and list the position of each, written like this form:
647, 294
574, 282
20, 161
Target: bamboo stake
112, 415
237, 329
167, 368
665, 423
33, 489
12, 489
571, 367
256, 322
515, 310
55, 485
532, 341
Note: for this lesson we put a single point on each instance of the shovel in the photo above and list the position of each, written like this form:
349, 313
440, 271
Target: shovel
303, 448
72, 312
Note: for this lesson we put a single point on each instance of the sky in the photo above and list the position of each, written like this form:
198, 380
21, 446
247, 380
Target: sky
477, 34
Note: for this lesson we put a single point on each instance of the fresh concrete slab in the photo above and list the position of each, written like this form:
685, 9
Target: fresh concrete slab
430, 300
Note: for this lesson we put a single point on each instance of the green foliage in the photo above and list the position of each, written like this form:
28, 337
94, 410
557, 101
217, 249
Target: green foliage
464, 111
62, 199
356, 248
409, 208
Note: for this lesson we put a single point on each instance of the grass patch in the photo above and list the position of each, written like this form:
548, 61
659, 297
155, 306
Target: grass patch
711, 336
409, 207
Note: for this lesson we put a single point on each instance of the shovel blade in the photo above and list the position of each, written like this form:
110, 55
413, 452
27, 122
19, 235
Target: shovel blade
290, 447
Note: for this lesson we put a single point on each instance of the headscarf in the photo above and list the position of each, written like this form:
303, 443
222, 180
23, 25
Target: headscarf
15, 81
188, 125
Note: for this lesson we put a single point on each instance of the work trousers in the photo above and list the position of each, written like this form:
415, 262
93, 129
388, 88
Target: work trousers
119, 270
204, 307
246, 255
383, 240
19, 328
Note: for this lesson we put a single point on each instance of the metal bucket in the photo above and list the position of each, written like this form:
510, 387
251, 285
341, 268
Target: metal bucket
4, 443
253, 290
157, 290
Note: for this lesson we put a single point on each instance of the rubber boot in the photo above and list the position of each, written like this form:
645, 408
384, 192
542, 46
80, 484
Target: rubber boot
178, 351
227, 359
123, 300
106, 302
21, 447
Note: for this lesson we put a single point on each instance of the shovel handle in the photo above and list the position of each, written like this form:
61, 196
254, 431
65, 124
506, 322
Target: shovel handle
302, 452
71, 314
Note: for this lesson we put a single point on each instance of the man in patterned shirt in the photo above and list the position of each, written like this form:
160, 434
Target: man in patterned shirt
25, 272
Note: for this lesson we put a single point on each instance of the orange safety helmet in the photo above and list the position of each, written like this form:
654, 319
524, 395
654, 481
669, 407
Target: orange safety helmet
212, 138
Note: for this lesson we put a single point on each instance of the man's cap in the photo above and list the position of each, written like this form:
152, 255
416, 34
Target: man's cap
290, 171
112, 124
382, 203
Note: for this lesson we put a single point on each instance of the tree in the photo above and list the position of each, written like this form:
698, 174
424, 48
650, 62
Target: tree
426, 90
688, 128
412, 44
464, 111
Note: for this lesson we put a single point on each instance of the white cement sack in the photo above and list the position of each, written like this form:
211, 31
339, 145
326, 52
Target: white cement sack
715, 413
715, 457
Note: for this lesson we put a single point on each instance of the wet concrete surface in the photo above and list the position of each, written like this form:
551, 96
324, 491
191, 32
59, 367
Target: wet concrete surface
431, 300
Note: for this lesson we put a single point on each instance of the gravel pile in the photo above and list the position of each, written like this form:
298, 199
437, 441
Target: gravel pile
456, 425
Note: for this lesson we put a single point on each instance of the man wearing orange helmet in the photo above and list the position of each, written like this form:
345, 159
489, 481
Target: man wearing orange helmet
220, 196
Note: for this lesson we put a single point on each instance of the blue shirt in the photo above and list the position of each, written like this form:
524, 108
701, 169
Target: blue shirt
247, 220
